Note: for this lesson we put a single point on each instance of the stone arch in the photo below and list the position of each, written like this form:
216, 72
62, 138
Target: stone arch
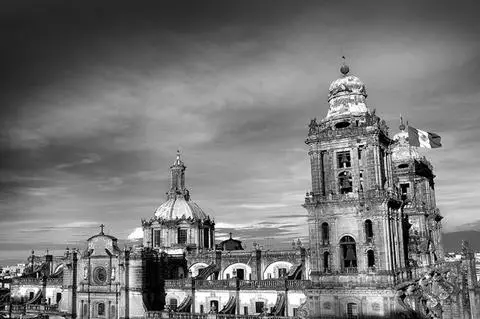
195, 268
273, 270
368, 227
172, 298
231, 271
348, 301
348, 254
325, 233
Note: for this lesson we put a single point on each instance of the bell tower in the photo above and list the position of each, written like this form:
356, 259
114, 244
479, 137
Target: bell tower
414, 180
356, 225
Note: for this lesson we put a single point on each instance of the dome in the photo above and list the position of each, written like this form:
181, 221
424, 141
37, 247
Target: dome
402, 151
346, 96
347, 84
179, 208
401, 136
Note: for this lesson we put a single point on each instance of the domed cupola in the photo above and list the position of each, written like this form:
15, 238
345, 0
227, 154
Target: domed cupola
179, 222
402, 152
346, 95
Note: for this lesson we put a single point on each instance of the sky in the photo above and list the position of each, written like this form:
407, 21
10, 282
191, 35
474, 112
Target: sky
97, 96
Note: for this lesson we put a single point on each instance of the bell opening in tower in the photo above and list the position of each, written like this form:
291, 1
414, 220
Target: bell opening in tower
345, 181
348, 254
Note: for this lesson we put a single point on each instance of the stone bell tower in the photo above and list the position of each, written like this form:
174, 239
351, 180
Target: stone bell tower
414, 180
356, 227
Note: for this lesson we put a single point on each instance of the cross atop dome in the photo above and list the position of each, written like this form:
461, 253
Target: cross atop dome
178, 161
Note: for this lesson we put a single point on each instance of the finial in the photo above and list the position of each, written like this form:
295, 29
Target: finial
344, 69
230, 235
402, 126
101, 229
178, 154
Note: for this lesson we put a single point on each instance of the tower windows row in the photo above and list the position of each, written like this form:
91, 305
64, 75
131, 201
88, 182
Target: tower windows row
325, 232
348, 255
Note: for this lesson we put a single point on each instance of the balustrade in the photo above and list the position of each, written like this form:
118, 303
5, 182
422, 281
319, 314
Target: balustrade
165, 314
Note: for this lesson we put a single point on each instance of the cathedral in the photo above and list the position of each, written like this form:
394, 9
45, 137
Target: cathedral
374, 244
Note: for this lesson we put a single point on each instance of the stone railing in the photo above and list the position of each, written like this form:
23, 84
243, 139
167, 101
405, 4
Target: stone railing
180, 283
216, 284
35, 308
235, 284
273, 284
298, 284
165, 314
370, 194
55, 281
350, 270
179, 315
27, 281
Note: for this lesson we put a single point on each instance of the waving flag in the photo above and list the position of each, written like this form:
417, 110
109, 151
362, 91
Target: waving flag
421, 138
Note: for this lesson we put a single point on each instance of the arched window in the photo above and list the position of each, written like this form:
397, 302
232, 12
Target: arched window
325, 234
173, 303
101, 309
348, 254
368, 230
112, 312
182, 236
85, 309
326, 263
352, 310
345, 182
370, 258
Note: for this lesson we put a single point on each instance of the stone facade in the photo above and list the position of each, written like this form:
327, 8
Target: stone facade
374, 245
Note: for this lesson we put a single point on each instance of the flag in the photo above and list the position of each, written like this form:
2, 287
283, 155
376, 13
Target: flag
421, 138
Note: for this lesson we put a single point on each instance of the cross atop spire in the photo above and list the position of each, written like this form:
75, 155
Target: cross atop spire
402, 126
101, 229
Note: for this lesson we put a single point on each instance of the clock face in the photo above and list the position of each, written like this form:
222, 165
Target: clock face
100, 275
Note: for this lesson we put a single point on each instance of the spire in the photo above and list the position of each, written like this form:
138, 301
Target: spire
402, 126
177, 179
101, 229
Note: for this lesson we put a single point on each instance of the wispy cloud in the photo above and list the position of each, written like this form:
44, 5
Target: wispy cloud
92, 116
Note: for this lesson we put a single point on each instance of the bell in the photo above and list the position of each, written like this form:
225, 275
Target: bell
350, 255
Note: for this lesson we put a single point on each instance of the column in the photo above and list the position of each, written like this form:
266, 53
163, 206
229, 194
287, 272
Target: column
377, 165
316, 171
387, 165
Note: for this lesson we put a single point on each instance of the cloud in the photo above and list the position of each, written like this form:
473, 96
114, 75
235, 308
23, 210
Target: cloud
94, 110
137, 233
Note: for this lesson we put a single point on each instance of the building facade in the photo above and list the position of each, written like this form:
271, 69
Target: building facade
374, 245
